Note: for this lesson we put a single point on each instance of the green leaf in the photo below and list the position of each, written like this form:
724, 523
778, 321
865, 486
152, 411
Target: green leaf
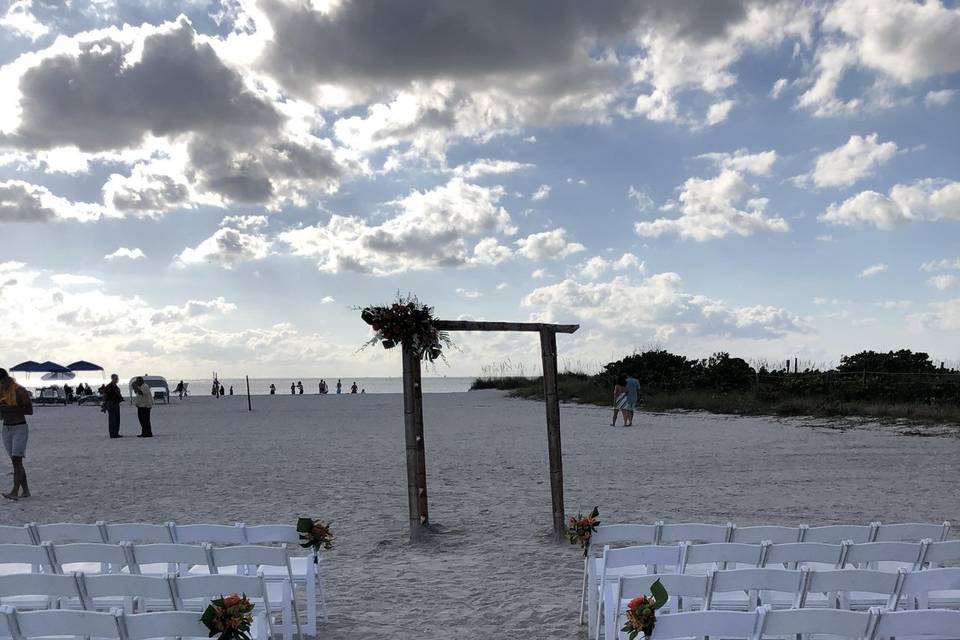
595, 512
659, 593
304, 525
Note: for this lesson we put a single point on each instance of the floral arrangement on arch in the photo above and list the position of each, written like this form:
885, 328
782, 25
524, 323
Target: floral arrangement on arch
582, 528
229, 617
642, 612
315, 534
406, 321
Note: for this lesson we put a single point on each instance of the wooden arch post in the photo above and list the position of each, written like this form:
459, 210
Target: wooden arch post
413, 418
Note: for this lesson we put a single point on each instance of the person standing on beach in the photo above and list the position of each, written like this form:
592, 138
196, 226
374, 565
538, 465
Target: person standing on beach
353, 387
633, 397
300, 387
179, 389
15, 406
143, 398
221, 391
339, 386
231, 389
112, 398
293, 388
619, 400
273, 389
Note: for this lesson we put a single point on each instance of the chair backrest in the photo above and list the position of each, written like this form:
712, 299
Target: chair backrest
837, 533
40, 584
250, 555
623, 534
773, 533
26, 554
804, 553
212, 586
214, 533
651, 557
677, 586
722, 554
783, 581
915, 582
911, 531
694, 532
847, 580
77, 553
921, 622
168, 553
124, 584
838, 622
138, 532
909, 553
939, 553
271, 533
726, 624
68, 532
10, 534
164, 624
63, 622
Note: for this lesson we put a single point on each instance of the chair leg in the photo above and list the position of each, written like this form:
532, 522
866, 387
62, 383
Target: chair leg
583, 590
287, 627
311, 587
296, 612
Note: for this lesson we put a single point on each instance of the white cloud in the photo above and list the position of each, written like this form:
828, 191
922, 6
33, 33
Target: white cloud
598, 265
502, 286
941, 265
239, 239
327, 300
826, 238
484, 166
470, 294
943, 281
778, 87
123, 252
718, 112
643, 201
944, 316
659, 303
850, 162
709, 208
75, 280
540, 274
489, 251
24, 202
20, 20
939, 98
742, 160
430, 231
542, 192
924, 200
548, 245
872, 270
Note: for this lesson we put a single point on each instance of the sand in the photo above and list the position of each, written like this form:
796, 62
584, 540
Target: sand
495, 574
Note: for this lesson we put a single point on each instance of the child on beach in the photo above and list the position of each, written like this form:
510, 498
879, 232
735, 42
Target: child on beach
619, 399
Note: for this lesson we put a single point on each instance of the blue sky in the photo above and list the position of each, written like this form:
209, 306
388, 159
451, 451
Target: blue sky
189, 186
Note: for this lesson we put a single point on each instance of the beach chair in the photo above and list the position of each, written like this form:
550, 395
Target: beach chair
88, 557
731, 625
218, 534
606, 535
835, 623
184, 625
11, 534
131, 593
812, 555
705, 558
68, 532
910, 532
138, 532
837, 533
25, 558
922, 623
40, 591
62, 624
686, 592
747, 589
933, 588
850, 589
163, 558
940, 553
194, 593
772, 533
693, 532
886, 556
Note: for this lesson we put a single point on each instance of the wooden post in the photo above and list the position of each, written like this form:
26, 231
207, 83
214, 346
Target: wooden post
249, 403
416, 456
548, 350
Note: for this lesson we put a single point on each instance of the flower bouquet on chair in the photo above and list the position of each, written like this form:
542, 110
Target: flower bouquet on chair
229, 618
642, 612
314, 534
582, 528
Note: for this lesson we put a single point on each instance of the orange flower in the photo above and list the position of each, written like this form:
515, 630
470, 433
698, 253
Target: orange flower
637, 602
232, 600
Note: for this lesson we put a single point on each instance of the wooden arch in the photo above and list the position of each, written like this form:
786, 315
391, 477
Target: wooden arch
413, 417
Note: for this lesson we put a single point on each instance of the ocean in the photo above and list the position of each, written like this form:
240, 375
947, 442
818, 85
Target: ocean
261, 386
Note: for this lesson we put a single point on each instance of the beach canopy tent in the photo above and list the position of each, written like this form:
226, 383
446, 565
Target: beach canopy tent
27, 367
83, 365
58, 375
52, 367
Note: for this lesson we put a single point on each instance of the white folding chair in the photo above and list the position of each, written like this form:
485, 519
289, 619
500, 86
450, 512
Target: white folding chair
212, 533
933, 588
720, 624
305, 569
63, 624
747, 589
940, 553
282, 595
24, 558
829, 622
911, 531
693, 532
705, 558
886, 556
812, 555
194, 593
773, 533
850, 589
166, 624
837, 533
606, 535
10, 534
40, 590
923, 623
686, 593
164, 558
138, 532
88, 557
107, 592
68, 532
627, 561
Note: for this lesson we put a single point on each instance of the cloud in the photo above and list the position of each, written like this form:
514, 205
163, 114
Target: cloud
548, 245
489, 251
598, 265
643, 201
429, 231
872, 270
470, 294
192, 309
719, 111
939, 98
943, 316
850, 162
924, 200
483, 167
124, 252
709, 208
659, 303
943, 281
21, 21
778, 87
239, 239
542, 193
75, 280
24, 202
941, 265
327, 300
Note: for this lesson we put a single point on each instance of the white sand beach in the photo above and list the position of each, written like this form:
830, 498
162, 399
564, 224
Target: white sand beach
495, 574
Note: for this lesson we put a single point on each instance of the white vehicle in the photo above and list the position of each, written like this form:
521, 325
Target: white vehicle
158, 385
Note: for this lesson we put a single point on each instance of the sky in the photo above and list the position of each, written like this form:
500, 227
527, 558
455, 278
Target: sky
190, 186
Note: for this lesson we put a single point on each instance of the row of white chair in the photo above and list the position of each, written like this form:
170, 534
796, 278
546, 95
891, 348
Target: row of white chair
221, 534
747, 589
768, 623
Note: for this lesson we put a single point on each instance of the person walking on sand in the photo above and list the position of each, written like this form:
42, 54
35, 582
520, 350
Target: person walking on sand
15, 406
339, 386
293, 388
619, 399
143, 398
221, 391
633, 397
179, 389
300, 387
231, 389
273, 389
112, 399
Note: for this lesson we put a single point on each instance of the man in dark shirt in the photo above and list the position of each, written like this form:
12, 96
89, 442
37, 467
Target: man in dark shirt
112, 399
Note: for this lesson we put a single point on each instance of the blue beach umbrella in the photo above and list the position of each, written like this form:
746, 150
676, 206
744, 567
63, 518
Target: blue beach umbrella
27, 367
52, 367
83, 365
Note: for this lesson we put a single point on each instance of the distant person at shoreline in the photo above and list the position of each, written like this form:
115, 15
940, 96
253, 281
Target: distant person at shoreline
619, 399
221, 391
215, 391
339, 387
353, 387
231, 389
300, 387
633, 397
363, 391
112, 398
273, 389
180, 389
293, 388
143, 399
15, 406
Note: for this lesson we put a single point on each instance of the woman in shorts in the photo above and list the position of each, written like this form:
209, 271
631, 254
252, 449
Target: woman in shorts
15, 406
